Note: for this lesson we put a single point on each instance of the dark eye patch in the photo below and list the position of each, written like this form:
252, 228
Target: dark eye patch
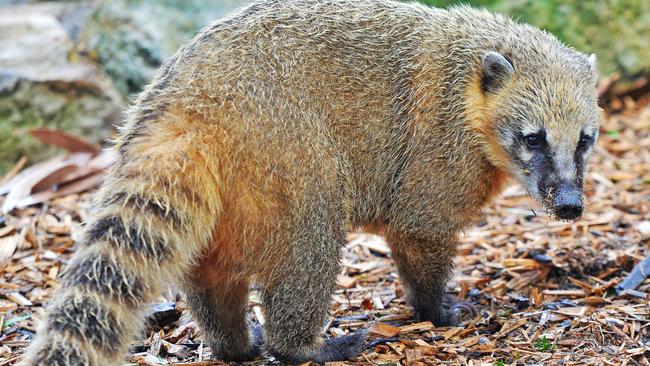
584, 142
535, 141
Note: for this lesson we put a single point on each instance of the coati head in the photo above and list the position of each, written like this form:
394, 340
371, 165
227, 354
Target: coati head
543, 120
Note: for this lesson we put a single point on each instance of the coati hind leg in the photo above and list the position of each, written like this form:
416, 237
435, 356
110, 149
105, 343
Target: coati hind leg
218, 302
299, 293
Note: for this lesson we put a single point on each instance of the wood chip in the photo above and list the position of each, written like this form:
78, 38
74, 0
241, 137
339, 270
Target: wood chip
384, 330
19, 299
417, 327
346, 281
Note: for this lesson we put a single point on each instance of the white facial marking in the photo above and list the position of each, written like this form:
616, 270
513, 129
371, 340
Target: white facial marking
526, 155
565, 165
529, 129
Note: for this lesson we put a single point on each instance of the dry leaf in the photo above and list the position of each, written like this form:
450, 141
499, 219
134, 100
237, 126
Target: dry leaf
63, 139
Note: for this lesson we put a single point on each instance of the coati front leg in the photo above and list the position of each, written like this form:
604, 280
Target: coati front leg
425, 266
218, 302
298, 295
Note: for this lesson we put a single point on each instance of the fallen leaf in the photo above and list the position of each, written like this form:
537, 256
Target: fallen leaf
63, 139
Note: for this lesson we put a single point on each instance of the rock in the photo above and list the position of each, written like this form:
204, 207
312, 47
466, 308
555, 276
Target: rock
131, 38
122, 46
73, 65
44, 83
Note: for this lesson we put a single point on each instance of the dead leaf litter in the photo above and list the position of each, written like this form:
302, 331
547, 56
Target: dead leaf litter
547, 292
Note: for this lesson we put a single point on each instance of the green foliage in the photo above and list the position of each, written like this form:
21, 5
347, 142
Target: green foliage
543, 344
499, 363
617, 31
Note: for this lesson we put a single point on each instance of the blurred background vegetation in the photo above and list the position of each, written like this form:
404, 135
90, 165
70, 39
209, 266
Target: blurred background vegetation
617, 31
74, 65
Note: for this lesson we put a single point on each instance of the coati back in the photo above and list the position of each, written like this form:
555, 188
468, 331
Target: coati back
284, 125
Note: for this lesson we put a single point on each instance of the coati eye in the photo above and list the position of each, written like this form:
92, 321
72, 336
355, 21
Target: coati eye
533, 141
584, 142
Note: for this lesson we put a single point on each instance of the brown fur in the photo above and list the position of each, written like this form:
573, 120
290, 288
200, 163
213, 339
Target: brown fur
266, 138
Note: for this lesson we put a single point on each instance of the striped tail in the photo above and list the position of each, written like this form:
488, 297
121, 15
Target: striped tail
154, 213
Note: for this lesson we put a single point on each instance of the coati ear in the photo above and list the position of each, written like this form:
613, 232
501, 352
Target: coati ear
496, 71
592, 61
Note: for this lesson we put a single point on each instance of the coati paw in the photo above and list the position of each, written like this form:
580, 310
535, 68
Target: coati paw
448, 314
251, 352
342, 348
333, 349
463, 310
236, 355
458, 311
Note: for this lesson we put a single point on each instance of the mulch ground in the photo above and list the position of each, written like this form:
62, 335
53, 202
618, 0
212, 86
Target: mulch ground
546, 291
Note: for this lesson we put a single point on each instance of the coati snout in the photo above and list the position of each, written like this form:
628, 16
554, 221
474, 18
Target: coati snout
567, 201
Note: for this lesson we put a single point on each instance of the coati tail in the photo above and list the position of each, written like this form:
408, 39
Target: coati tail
154, 212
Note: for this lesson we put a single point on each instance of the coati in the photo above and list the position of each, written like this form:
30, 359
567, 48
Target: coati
277, 129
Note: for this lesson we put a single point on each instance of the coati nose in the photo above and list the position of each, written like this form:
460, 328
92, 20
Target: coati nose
567, 202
